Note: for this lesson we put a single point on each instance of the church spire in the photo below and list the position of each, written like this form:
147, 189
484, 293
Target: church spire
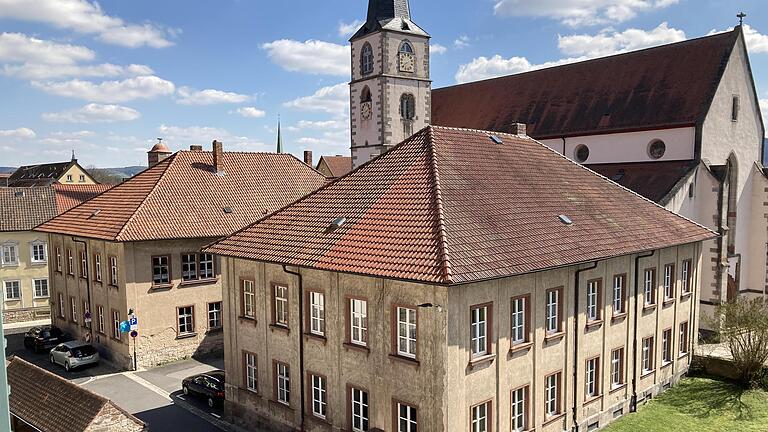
279, 138
389, 14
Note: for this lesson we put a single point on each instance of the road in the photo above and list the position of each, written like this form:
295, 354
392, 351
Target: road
153, 396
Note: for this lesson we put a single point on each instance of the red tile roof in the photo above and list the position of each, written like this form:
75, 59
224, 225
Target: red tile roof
22, 209
182, 197
670, 85
69, 195
337, 165
653, 180
450, 206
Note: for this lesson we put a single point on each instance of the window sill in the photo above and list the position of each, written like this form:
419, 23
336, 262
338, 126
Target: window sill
617, 388
198, 282
38, 263
594, 324
84, 277
317, 418
682, 355
524, 346
648, 308
665, 365
356, 347
685, 296
158, 288
317, 337
647, 373
247, 318
279, 327
479, 361
284, 405
10, 265
214, 330
552, 419
116, 339
404, 359
114, 286
618, 317
591, 399
554, 337
98, 282
41, 298
186, 336
668, 302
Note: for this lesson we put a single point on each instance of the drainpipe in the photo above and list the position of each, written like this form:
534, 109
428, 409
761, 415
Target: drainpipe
563, 138
301, 341
633, 402
88, 288
576, 337
692, 324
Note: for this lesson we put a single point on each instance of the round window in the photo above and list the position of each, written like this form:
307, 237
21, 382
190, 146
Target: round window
656, 149
581, 153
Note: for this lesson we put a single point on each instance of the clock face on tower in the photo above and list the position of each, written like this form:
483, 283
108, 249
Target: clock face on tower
407, 62
365, 110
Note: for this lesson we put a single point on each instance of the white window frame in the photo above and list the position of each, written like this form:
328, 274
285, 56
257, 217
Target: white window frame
649, 296
251, 372
113, 271
35, 283
519, 320
669, 274
667, 344
283, 379
682, 343
358, 321
407, 414
360, 409
591, 379
551, 393
205, 265
281, 305
593, 300
519, 405
69, 178
618, 294
249, 299
100, 312
684, 283
58, 259
319, 396
116, 324
481, 417
70, 262
407, 320
215, 315
62, 306
189, 270
552, 311
6, 284
647, 355
317, 313
479, 331
186, 319
97, 266
9, 254
33, 252
617, 373
73, 308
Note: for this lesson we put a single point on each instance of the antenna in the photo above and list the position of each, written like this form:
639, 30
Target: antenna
159, 140
741, 16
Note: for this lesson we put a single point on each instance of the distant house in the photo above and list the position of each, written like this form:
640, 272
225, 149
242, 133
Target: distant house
46, 174
334, 166
43, 402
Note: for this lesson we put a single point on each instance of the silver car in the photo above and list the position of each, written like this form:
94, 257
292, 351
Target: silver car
74, 354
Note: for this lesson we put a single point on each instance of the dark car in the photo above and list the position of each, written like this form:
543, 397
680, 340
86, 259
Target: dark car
208, 386
43, 338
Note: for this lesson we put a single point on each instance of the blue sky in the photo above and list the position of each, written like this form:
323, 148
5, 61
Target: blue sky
107, 78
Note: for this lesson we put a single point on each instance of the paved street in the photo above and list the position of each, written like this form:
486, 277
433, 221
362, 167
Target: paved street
154, 395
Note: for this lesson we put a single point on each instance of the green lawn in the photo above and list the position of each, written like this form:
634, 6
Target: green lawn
700, 405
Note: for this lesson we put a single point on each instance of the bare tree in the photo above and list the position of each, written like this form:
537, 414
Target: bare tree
743, 325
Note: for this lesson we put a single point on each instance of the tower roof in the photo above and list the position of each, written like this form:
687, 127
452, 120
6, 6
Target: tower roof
389, 15
160, 147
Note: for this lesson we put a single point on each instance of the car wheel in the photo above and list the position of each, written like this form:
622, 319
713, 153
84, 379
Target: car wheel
67, 367
211, 402
185, 389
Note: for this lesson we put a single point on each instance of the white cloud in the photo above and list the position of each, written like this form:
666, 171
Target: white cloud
24, 133
437, 49
20, 48
183, 136
250, 112
347, 29
764, 110
312, 56
332, 99
576, 13
209, 97
609, 42
483, 68
461, 42
335, 124
756, 42
83, 16
94, 113
141, 87
36, 71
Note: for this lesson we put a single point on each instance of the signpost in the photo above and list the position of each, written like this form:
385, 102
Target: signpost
131, 325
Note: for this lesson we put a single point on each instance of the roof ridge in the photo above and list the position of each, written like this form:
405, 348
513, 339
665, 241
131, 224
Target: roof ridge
170, 160
440, 234
66, 382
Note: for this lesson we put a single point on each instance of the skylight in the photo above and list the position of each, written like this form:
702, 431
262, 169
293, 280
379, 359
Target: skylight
496, 139
227, 210
565, 219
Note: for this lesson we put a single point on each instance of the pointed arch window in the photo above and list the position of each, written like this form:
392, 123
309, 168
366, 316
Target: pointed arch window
406, 47
407, 106
366, 106
365, 95
366, 59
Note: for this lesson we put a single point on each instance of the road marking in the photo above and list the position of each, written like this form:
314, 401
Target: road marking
181, 397
215, 415
148, 385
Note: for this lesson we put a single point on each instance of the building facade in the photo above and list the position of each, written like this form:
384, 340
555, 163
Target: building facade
70, 173
444, 286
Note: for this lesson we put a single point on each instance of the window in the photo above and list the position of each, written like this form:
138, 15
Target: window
366, 59
214, 315
365, 95
359, 409
97, 267
250, 371
86, 312
82, 178
481, 417
552, 312
406, 332
683, 341
647, 359
83, 264
358, 319
479, 339
12, 290
319, 396
666, 346
70, 263
581, 153
406, 417
37, 252
188, 267
280, 301
283, 381
161, 270
206, 266
100, 318
196, 266
686, 277
58, 259
618, 294
519, 402
406, 48
62, 307
552, 395
593, 300
115, 324
10, 254
316, 313
649, 286
248, 298
656, 149
186, 319
69, 178
520, 327
113, 270
73, 308
669, 282
407, 106
735, 108
592, 378
40, 287
617, 368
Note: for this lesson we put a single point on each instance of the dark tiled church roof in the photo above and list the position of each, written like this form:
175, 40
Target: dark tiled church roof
653, 180
390, 15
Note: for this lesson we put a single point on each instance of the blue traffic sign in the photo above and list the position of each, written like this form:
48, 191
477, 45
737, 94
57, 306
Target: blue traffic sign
125, 326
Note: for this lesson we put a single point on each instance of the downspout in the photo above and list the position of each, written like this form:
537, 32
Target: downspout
576, 336
87, 286
633, 402
563, 138
692, 324
301, 342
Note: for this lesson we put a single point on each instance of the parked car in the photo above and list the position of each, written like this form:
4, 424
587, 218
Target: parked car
43, 338
208, 386
74, 354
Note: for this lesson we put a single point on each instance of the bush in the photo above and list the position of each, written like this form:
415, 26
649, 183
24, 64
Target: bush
743, 325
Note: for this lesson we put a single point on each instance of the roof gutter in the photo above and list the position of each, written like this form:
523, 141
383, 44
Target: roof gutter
633, 402
576, 341
301, 342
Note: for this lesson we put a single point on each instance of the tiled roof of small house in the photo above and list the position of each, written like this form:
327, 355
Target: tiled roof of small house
337, 165
22, 209
71, 195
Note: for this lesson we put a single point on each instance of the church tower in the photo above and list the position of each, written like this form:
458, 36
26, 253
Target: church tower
390, 91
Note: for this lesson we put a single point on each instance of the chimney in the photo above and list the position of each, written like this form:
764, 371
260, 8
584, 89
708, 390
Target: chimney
218, 157
517, 129
195, 148
308, 157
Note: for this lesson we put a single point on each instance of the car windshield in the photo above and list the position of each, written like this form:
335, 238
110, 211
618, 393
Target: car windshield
83, 351
217, 381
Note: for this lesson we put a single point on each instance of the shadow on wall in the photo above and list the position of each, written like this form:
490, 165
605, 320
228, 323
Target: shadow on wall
167, 346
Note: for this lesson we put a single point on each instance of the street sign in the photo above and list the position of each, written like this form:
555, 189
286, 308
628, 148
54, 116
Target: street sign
134, 322
134, 333
125, 326
87, 317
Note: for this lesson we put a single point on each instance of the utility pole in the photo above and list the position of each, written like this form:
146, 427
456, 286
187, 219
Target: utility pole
5, 390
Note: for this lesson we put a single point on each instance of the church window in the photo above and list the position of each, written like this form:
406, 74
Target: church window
735, 108
366, 59
365, 95
366, 109
656, 149
581, 153
406, 48
408, 106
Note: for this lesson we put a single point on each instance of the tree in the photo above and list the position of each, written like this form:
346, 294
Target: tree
104, 176
743, 325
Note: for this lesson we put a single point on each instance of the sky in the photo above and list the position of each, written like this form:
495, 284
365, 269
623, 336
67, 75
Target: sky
107, 79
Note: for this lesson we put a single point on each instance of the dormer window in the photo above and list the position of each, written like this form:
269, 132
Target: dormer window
69, 178
366, 59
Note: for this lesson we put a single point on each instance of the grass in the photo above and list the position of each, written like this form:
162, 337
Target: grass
700, 405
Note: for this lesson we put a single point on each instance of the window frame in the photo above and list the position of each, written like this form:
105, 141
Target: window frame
367, 49
73, 309
653, 288
526, 321
670, 281
70, 262
323, 401
686, 277
101, 322
47, 288
279, 378
14, 247
526, 391
58, 259
396, 336
598, 296
83, 264
596, 390
62, 306
351, 388
622, 298
220, 313
364, 329
114, 271
243, 303
621, 382
667, 345
5, 289
488, 331
683, 339
558, 309
396, 417
97, 273
167, 266
179, 316
651, 355
488, 404
115, 316
558, 376
284, 300
38, 244
311, 307
247, 368
407, 107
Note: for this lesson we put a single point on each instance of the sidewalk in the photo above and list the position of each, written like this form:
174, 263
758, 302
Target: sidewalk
26, 324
